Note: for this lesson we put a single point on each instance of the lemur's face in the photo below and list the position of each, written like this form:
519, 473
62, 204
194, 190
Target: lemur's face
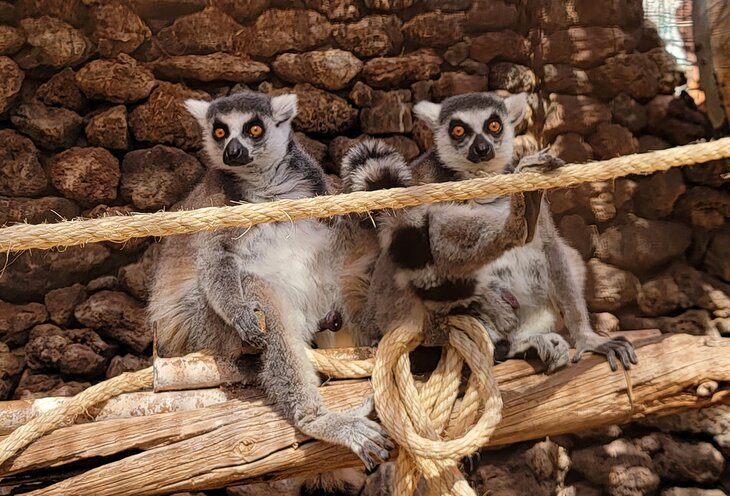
474, 132
246, 132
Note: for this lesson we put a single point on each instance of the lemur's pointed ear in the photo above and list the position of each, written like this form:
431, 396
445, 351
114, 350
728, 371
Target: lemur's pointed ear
284, 108
198, 109
516, 107
428, 112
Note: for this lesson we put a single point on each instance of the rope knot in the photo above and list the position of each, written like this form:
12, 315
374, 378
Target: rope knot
433, 429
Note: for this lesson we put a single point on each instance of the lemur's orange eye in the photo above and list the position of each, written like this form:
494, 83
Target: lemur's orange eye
256, 131
494, 126
458, 131
219, 133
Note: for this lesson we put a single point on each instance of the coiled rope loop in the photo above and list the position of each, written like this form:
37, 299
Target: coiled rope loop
434, 435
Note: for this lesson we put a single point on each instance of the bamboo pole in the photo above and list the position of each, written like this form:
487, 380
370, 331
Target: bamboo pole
240, 439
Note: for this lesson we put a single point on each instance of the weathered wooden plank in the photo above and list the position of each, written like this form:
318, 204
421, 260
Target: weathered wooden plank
711, 61
171, 374
16, 413
718, 14
243, 441
199, 370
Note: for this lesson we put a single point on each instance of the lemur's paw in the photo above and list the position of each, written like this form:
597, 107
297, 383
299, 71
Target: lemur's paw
551, 347
539, 162
436, 335
553, 350
501, 351
365, 437
618, 347
250, 325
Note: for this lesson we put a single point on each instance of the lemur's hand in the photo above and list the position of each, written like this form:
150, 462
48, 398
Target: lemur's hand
251, 325
541, 161
611, 348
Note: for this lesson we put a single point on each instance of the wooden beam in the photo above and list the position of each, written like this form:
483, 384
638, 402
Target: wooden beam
191, 372
243, 440
200, 370
718, 13
710, 60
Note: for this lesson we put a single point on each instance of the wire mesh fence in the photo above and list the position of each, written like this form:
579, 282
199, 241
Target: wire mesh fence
673, 22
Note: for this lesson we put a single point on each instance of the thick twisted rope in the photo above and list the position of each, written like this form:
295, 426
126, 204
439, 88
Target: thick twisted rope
340, 369
123, 228
432, 437
67, 412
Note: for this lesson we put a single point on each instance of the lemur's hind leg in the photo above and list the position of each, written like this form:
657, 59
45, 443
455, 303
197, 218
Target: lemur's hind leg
567, 274
292, 383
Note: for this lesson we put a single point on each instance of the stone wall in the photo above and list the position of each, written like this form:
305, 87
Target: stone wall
91, 124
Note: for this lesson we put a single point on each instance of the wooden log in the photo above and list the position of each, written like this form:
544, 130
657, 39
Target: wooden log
243, 440
170, 374
199, 373
202, 371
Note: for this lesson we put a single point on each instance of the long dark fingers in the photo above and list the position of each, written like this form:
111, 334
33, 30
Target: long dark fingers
611, 356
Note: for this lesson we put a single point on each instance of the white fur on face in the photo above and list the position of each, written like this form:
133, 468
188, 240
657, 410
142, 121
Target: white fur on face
266, 153
428, 112
456, 158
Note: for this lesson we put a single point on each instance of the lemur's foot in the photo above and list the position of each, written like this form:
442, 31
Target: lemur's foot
354, 430
435, 337
250, 325
551, 347
501, 351
553, 350
611, 348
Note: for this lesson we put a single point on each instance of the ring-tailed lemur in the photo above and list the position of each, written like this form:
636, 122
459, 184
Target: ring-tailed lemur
523, 289
210, 288
422, 262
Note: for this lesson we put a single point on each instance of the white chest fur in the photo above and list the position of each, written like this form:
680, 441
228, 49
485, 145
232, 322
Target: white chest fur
294, 259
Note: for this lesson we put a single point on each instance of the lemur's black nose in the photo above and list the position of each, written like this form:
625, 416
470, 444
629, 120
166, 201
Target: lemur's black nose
236, 154
481, 150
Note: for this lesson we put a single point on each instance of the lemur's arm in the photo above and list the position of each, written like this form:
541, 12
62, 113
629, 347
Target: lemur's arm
233, 295
467, 237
